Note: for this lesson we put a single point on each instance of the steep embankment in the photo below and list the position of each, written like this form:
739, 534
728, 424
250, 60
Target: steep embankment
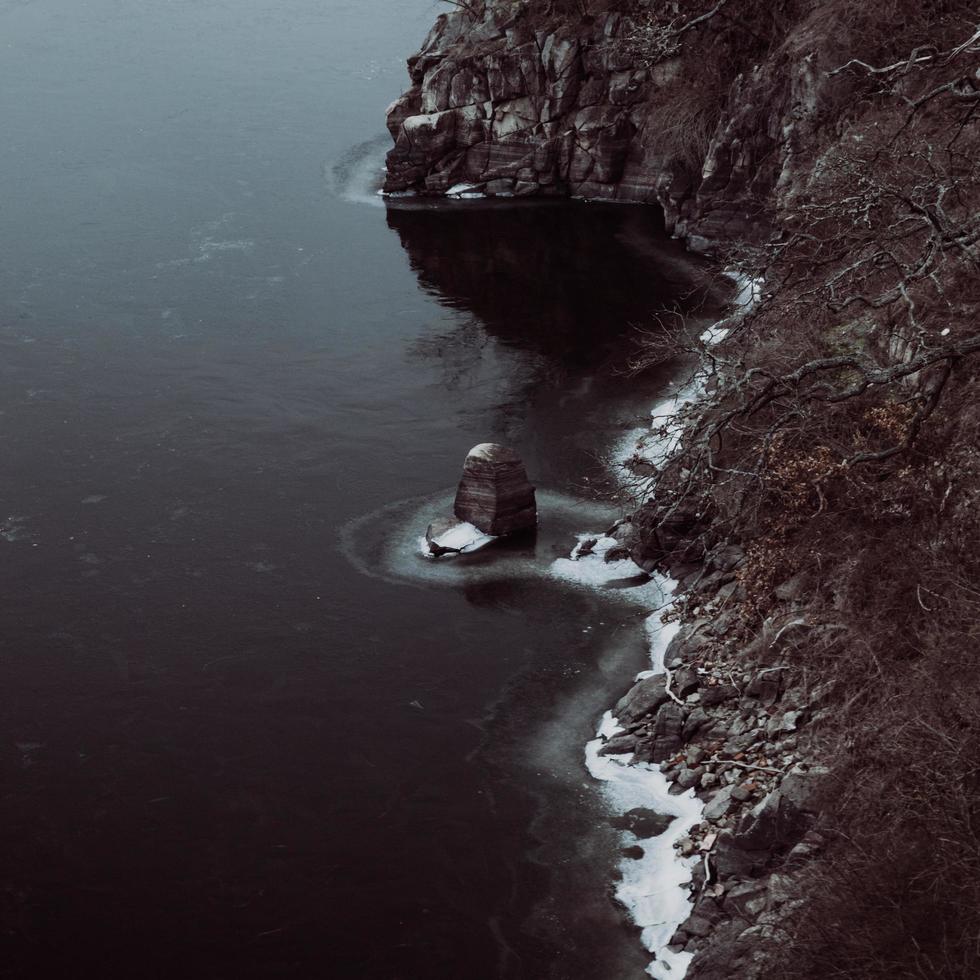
819, 507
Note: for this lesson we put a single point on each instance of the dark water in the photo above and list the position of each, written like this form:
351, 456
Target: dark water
244, 730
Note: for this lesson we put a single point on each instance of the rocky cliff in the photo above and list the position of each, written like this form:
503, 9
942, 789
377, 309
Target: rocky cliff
517, 99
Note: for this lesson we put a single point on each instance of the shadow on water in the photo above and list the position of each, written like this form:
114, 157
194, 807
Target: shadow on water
563, 292
534, 277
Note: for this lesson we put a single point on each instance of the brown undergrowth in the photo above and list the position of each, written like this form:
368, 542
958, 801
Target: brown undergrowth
840, 442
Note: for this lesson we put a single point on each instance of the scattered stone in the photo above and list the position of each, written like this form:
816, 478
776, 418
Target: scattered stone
617, 553
695, 720
738, 745
709, 780
774, 823
718, 694
746, 899
720, 804
727, 558
740, 726
689, 641
684, 681
780, 888
667, 729
689, 778
717, 729
766, 686
731, 861
643, 698
801, 853
800, 787
696, 925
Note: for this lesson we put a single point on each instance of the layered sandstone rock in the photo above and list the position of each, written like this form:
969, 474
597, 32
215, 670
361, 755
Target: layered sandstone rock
494, 493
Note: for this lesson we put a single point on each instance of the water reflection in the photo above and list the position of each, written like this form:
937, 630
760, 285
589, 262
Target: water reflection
562, 280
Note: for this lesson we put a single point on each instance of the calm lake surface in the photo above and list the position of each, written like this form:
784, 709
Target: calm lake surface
247, 731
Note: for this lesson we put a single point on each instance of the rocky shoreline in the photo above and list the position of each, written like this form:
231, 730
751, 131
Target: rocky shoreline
809, 503
726, 718
730, 723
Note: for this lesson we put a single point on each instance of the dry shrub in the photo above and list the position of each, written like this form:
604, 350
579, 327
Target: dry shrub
685, 119
887, 30
898, 894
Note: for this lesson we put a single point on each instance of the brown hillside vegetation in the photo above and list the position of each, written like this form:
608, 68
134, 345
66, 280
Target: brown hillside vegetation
841, 443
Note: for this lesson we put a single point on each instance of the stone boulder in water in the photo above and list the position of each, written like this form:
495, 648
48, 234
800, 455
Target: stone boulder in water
494, 493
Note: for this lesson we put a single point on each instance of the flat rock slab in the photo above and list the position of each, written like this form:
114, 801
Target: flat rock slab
494, 493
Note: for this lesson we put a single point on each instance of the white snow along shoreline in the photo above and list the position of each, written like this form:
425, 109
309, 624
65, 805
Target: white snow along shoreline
652, 886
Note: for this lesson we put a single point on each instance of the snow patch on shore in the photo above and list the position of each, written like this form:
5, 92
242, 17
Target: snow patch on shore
749, 290
653, 445
748, 294
593, 569
466, 192
652, 887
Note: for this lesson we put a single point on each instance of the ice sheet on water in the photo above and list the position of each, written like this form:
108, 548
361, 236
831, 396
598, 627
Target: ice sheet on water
357, 177
593, 571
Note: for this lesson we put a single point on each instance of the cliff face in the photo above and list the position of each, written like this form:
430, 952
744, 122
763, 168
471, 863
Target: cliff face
512, 100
